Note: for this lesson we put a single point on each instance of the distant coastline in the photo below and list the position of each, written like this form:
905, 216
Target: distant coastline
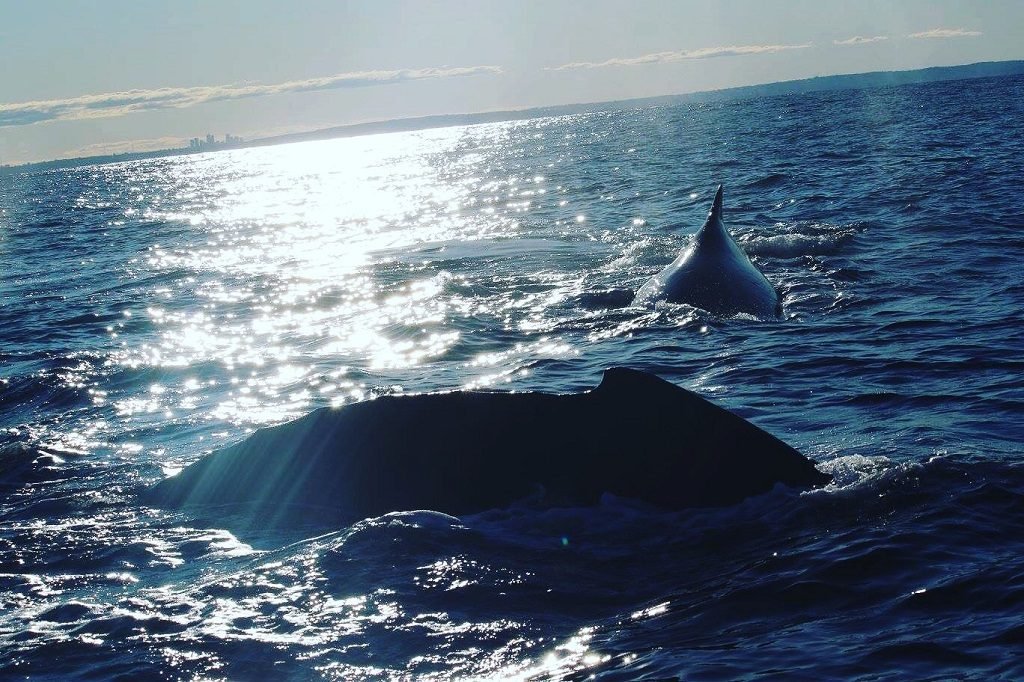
804, 85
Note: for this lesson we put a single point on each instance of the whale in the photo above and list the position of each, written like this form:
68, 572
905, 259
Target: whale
714, 274
634, 436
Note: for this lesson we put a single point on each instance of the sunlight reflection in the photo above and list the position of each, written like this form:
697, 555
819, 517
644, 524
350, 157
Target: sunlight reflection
289, 277
572, 657
651, 611
289, 233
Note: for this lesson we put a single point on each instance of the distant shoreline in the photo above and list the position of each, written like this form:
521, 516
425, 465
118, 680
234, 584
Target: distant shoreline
804, 85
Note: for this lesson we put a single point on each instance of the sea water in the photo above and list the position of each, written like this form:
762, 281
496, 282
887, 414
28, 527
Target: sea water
152, 311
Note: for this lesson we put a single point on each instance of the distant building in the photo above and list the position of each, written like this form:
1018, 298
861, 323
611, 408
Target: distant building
210, 140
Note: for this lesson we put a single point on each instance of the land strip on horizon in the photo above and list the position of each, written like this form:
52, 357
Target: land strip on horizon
800, 86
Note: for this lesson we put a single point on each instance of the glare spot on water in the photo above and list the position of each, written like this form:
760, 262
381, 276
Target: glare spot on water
650, 612
570, 658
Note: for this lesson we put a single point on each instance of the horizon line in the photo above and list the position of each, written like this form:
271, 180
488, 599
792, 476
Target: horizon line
282, 138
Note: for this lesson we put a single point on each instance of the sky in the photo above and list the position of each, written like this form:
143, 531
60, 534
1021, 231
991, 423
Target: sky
84, 77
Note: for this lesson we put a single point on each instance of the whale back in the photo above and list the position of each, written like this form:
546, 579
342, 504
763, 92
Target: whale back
634, 435
713, 273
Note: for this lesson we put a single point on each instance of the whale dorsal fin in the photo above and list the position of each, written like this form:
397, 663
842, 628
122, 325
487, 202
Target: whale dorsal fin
713, 231
716, 208
627, 381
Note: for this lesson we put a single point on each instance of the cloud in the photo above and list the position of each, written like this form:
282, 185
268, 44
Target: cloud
113, 104
860, 40
945, 33
681, 55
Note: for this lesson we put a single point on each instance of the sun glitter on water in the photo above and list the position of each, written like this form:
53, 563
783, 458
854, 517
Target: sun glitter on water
282, 260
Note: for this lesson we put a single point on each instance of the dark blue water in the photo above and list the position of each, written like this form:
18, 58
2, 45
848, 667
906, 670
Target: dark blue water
152, 311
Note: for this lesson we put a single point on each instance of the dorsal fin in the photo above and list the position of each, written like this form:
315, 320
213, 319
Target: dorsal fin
625, 380
716, 208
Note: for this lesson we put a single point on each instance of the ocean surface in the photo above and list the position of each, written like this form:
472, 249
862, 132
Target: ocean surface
152, 311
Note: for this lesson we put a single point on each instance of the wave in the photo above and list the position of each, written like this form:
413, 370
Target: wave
771, 180
815, 241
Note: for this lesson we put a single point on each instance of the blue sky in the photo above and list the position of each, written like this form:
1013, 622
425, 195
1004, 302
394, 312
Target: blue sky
89, 77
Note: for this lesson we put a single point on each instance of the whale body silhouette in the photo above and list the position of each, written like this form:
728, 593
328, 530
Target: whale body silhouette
635, 436
713, 273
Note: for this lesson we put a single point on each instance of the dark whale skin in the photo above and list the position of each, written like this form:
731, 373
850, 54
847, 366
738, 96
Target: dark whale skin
714, 274
635, 436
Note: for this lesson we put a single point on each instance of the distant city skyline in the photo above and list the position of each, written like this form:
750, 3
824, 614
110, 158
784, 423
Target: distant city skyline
83, 79
210, 141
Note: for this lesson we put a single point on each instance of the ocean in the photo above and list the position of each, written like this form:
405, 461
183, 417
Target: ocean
155, 310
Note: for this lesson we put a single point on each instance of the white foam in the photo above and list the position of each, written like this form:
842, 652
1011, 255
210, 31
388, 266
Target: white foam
804, 241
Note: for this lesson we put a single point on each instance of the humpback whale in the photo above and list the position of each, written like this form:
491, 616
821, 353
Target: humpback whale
713, 273
634, 436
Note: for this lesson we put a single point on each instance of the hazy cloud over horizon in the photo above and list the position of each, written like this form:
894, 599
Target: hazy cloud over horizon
946, 33
126, 146
112, 104
681, 55
860, 40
